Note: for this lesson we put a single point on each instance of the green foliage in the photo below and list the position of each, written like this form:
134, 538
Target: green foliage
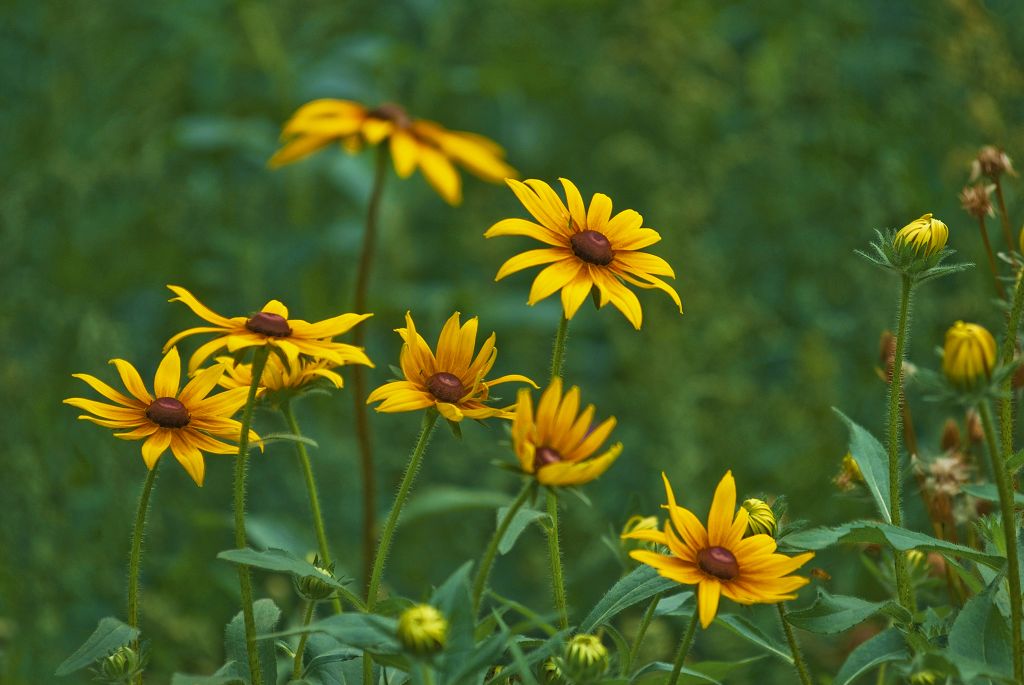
110, 634
873, 461
836, 613
642, 583
266, 615
887, 646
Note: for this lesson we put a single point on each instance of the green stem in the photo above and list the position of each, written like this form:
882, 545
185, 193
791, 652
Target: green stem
428, 674
894, 423
558, 353
306, 618
684, 648
555, 554
1009, 518
1008, 352
135, 558
794, 646
314, 499
645, 623
360, 411
484, 572
259, 362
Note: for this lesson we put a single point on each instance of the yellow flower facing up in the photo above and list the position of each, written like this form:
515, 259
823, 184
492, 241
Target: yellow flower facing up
452, 380
969, 353
187, 420
927, 235
588, 248
271, 327
557, 442
422, 629
413, 143
719, 559
278, 375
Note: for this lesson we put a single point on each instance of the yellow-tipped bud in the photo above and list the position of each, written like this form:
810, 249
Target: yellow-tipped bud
586, 659
969, 353
122, 665
422, 630
760, 519
849, 475
313, 587
927, 235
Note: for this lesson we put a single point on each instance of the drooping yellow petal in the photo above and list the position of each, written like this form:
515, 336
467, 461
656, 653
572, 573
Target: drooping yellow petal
707, 600
404, 153
552, 278
155, 445
198, 308
441, 175
188, 456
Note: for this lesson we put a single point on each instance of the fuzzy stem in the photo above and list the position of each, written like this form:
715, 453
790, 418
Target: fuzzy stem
259, 362
558, 353
135, 558
991, 258
641, 630
314, 499
306, 618
359, 409
1008, 352
484, 572
798, 658
1008, 516
1004, 216
555, 554
894, 422
684, 648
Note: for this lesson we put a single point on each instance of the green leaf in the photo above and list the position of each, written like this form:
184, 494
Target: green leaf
522, 519
989, 493
673, 605
288, 437
453, 600
873, 461
446, 499
899, 539
642, 583
884, 647
110, 634
1014, 463
981, 634
751, 633
283, 561
835, 613
183, 679
699, 672
266, 615
369, 632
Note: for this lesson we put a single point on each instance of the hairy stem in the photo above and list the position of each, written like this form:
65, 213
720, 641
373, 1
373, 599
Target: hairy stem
798, 658
135, 557
894, 423
1004, 216
991, 258
641, 630
306, 618
555, 554
558, 353
684, 648
484, 572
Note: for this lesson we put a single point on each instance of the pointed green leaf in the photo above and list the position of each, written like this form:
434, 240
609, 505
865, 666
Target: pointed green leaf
287, 437
873, 461
835, 613
520, 522
110, 634
643, 583
266, 615
884, 647
989, 493
751, 633
981, 634
375, 634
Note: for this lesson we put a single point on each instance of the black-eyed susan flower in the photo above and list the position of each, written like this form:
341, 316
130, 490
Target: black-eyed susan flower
925, 235
452, 380
969, 353
422, 630
556, 443
719, 559
271, 327
278, 375
588, 248
187, 420
412, 143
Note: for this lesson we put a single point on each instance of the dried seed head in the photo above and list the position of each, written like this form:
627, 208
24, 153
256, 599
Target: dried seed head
991, 162
976, 200
975, 431
950, 436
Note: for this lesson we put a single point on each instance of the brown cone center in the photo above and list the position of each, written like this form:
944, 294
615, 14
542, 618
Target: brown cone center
719, 562
394, 113
168, 412
446, 387
543, 456
592, 247
265, 323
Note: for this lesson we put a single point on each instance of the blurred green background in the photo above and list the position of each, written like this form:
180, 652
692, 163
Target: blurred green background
764, 142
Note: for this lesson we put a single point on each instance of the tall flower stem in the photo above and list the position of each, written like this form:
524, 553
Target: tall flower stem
359, 410
1004, 216
558, 352
894, 423
1008, 352
306, 618
259, 362
484, 572
1009, 517
555, 552
991, 258
641, 630
684, 648
794, 646
135, 557
314, 499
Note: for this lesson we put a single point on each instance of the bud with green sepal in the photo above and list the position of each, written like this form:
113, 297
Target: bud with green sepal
422, 630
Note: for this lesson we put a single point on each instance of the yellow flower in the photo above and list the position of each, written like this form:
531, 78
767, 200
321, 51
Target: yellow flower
589, 248
760, 517
270, 326
719, 559
925, 233
556, 443
186, 420
452, 380
422, 629
412, 143
280, 376
969, 353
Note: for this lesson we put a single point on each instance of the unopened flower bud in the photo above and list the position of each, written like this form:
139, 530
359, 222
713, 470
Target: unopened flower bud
950, 436
551, 673
760, 517
849, 475
313, 587
925, 235
975, 431
121, 666
976, 200
991, 162
969, 354
422, 630
633, 524
586, 659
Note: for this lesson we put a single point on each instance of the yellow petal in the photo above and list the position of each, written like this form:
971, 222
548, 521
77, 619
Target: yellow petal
441, 175
200, 310
297, 149
107, 391
404, 153
525, 260
723, 509
529, 229
168, 375
552, 278
600, 210
707, 599
155, 446
188, 456
575, 202
132, 381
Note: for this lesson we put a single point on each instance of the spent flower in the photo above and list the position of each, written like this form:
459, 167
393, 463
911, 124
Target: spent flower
991, 162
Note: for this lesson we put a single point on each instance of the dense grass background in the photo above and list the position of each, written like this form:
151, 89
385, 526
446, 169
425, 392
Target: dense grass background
765, 143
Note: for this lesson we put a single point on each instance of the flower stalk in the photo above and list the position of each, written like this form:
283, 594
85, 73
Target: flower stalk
135, 558
306, 618
684, 648
555, 554
558, 352
894, 423
641, 630
1004, 216
991, 257
794, 646
487, 562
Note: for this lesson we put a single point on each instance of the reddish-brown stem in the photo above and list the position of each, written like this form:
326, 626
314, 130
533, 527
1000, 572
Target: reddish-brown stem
991, 258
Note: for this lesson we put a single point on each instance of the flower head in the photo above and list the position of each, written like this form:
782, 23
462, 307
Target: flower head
412, 143
123, 665
976, 200
187, 420
991, 162
924, 234
761, 518
279, 375
271, 327
556, 443
719, 559
589, 248
849, 476
586, 658
422, 629
969, 353
452, 380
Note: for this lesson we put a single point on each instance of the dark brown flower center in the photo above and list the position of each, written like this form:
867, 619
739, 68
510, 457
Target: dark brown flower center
168, 412
544, 456
266, 323
719, 562
592, 247
446, 387
394, 113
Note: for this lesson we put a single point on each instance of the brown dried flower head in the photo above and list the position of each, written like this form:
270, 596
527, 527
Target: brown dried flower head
950, 436
976, 200
946, 475
991, 162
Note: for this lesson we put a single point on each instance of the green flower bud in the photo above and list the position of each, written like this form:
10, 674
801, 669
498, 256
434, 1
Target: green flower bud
760, 519
422, 630
586, 659
312, 587
120, 666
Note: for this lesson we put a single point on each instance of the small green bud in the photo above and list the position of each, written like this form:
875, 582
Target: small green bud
760, 519
586, 659
120, 666
551, 673
422, 630
312, 587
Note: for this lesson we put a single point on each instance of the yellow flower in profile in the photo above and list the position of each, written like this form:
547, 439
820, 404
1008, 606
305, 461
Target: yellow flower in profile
589, 248
280, 376
925, 234
453, 380
556, 443
760, 517
271, 327
188, 420
969, 353
412, 143
719, 559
